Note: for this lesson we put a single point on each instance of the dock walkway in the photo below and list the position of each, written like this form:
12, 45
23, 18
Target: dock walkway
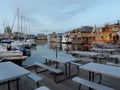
27, 84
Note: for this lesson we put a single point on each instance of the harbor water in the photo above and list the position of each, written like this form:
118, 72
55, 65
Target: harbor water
44, 48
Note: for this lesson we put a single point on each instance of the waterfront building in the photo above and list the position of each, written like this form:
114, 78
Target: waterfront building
49, 37
59, 37
101, 35
41, 37
7, 30
30, 36
108, 33
67, 37
18, 35
83, 35
54, 37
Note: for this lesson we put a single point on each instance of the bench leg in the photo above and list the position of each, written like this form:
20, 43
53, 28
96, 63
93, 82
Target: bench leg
79, 86
76, 73
69, 65
38, 84
70, 76
78, 70
100, 79
57, 64
55, 79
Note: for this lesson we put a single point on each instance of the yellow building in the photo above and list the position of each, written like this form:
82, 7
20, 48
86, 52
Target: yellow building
107, 33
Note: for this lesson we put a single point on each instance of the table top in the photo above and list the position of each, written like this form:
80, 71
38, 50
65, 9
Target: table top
115, 56
100, 49
11, 53
103, 69
84, 53
10, 71
14, 58
60, 59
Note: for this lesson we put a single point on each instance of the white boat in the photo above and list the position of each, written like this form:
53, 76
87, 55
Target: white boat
30, 41
16, 44
24, 47
3, 48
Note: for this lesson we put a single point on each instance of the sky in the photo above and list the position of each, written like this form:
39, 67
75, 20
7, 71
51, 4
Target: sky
48, 16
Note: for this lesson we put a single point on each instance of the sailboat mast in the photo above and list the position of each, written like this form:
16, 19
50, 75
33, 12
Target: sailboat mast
29, 28
21, 23
18, 19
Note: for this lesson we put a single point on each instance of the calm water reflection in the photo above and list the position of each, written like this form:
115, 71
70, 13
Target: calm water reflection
47, 48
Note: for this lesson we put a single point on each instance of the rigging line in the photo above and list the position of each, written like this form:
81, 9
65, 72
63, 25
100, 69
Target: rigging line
14, 20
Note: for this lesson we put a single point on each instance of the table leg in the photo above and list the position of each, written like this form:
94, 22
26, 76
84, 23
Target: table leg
57, 65
49, 62
69, 69
46, 61
66, 70
89, 75
90, 78
17, 83
116, 60
93, 76
8, 85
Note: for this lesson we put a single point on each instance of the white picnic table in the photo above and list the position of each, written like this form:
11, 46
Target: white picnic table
103, 49
116, 57
112, 46
85, 53
10, 71
11, 53
102, 69
61, 59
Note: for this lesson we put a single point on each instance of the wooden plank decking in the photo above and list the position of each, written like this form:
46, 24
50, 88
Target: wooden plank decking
27, 84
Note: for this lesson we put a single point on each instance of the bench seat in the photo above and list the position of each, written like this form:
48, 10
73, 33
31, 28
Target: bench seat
35, 78
54, 70
113, 64
85, 59
90, 84
75, 63
50, 68
42, 88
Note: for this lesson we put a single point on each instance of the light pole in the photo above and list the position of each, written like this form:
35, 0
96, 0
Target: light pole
56, 52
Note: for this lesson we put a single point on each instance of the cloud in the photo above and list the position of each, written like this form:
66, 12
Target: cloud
31, 20
46, 30
74, 9
56, 15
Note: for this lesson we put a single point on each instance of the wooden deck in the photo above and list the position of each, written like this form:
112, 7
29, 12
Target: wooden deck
27, 84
